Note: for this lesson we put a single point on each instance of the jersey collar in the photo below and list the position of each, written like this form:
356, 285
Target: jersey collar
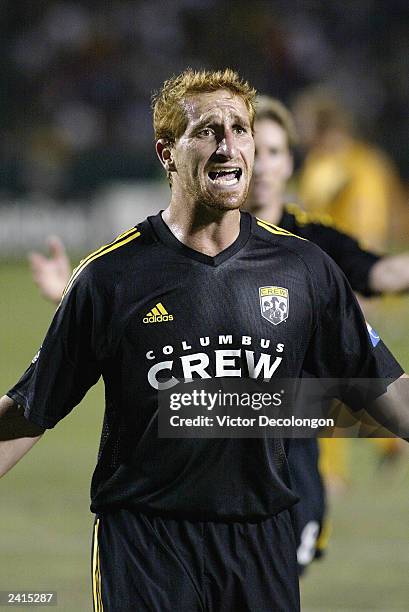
165, 236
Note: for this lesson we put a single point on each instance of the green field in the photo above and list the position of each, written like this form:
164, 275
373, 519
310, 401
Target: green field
45, 523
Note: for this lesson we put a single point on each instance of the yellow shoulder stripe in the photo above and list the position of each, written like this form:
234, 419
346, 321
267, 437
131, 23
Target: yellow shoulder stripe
274, 229
123, 235
122, 239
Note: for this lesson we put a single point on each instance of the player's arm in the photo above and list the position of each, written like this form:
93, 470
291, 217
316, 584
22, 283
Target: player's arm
390, 274
391, 409
51, 274
367, 272
17, 434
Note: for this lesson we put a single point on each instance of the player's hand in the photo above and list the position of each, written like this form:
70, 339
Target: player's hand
51, 274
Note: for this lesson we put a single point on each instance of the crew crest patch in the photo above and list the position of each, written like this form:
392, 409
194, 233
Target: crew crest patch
274, 304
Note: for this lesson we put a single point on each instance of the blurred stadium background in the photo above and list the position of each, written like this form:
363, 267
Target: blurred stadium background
77, 159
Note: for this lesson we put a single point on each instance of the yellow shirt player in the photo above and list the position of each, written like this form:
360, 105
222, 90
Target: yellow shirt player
346, 178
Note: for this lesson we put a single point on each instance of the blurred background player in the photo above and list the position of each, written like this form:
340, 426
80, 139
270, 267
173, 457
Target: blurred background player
368, 273
354, 182
343, 175
276, 138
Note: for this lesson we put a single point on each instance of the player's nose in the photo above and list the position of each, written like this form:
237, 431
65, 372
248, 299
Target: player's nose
227, 146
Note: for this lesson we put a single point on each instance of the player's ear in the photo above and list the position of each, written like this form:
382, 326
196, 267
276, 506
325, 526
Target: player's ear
164, 151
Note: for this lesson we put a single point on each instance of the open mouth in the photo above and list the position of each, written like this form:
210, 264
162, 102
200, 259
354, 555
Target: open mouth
228, 176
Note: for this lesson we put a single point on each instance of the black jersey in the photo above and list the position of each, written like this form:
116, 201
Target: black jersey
146, 307
354, 261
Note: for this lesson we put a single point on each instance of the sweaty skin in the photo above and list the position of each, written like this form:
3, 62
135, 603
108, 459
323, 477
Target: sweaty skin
204, 213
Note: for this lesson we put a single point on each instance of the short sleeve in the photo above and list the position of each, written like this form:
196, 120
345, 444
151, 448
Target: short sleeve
343, 345
69, 360
354, 261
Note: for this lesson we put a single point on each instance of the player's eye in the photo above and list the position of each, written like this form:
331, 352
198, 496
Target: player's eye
239, 129
205, 132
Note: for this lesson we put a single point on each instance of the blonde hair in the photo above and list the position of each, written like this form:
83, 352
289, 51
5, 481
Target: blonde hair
169, 117
273, 110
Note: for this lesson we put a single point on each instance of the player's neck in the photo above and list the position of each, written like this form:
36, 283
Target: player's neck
201, 229
271, 212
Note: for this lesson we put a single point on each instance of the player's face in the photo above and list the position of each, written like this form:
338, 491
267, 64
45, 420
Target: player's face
272, 166
214, 156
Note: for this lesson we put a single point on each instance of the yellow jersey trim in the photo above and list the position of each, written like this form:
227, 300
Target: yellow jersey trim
274, 229
96, 573
107, 248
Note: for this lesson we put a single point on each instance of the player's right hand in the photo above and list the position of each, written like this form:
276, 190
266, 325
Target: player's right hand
51, 274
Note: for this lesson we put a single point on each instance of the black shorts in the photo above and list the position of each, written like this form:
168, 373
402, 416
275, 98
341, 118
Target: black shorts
142, 563
309, 513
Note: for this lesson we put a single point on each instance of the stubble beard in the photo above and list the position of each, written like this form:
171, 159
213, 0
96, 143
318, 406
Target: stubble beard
196, 193
224, 202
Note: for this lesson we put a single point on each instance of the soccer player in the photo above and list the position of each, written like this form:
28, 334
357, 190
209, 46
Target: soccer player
194, 524
368, 273
52, 274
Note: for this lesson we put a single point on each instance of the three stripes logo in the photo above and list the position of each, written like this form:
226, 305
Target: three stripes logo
158, 314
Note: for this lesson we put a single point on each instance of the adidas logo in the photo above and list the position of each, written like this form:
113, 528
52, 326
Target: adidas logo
158, 314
